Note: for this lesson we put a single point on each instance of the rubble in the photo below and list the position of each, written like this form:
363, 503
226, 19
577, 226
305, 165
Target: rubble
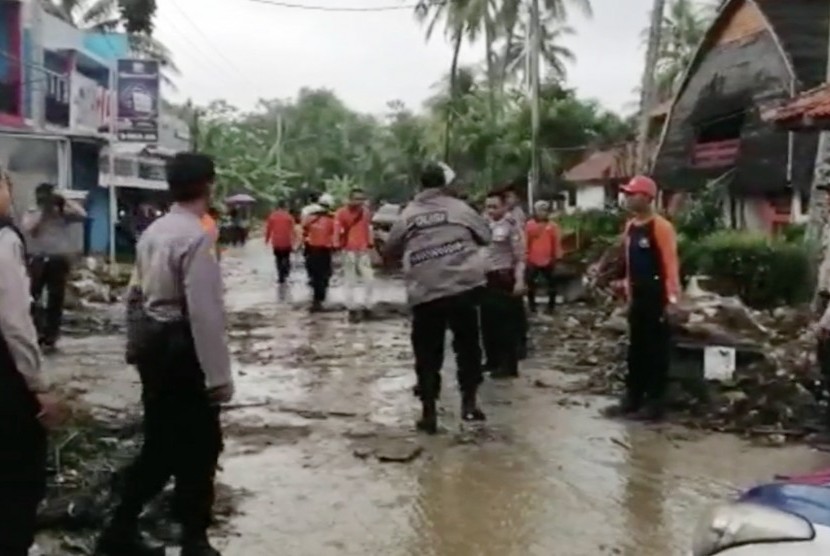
776, 394
93, 282
86, 464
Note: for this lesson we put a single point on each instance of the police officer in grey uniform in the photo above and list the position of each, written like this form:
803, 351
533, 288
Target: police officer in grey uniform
26, 406
176, 339
502, 304
440, 239
50, 248
517, 214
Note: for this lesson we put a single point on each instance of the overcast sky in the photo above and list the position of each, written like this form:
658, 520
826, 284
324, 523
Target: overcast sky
241, 51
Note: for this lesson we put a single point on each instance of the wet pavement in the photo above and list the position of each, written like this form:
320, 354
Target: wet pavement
323, 406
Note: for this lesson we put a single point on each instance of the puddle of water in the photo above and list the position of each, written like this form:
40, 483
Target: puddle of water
545, 477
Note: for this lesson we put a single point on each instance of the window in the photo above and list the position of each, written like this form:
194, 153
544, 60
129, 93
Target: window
124, 167
571, 197
152, 171
721, 128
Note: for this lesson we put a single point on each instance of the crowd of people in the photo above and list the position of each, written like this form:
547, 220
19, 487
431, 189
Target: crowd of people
465, 271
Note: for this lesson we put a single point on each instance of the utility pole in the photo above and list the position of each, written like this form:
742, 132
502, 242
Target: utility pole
647, 87
534, 52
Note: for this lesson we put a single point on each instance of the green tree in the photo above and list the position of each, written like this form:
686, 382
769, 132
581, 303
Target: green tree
108, 16
684, 25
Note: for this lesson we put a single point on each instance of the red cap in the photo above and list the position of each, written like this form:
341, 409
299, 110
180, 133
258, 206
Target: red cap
640, 185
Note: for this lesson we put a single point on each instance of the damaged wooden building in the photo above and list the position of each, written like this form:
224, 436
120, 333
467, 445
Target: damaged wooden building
757, 53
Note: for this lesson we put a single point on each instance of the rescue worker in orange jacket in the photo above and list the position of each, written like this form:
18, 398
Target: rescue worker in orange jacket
319, 240
652, 287
280, 234
210, 225
544, 249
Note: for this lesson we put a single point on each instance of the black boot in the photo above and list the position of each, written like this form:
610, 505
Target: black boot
428, 422
198, 547
126, 541
469, 408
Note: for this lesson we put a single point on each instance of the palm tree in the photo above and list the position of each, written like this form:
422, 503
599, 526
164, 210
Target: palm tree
515, 57
453, 16
107, 16
684, 26
514, 17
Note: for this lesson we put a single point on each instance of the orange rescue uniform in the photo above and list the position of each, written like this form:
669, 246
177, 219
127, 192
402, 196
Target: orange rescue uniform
318, 231
280, 231
353, 230
209, 225
544, 243
665, 246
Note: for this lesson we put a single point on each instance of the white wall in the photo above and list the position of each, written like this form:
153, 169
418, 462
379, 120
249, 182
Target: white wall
590, 197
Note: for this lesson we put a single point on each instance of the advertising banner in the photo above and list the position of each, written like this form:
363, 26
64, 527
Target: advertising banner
87, 113
138, 86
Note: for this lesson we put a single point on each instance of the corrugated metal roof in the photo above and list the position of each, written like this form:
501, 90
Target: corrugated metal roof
809, 105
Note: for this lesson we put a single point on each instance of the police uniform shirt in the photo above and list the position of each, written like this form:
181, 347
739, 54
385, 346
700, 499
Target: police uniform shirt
507, 248
16, 323
176, 268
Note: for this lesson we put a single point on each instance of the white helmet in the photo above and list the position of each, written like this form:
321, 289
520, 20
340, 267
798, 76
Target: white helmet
326, 200
449, 174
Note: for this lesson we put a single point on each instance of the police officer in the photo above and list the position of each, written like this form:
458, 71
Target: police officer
25, 404
176, 338
50, 247
440, 239
516, 213
502, 307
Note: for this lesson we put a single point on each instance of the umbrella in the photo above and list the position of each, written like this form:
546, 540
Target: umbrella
240, 199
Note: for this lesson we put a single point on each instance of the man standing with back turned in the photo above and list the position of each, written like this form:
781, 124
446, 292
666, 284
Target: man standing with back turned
176, 338
653, 287
440, 238
281, 235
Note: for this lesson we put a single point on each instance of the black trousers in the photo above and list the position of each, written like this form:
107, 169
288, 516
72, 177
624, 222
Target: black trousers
283, 259
51, 273
649, 347
534, 275
182, 432
430, 321
182, 441
318, 266
22, 482
501, 325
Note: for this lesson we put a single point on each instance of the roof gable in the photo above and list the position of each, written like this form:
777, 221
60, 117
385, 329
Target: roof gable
803, 30
745, 21
613, 164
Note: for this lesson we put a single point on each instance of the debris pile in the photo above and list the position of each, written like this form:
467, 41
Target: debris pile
92, 282
86, 465
775, 392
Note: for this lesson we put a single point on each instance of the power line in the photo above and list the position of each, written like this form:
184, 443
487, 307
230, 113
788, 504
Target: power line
208, 40
363, 9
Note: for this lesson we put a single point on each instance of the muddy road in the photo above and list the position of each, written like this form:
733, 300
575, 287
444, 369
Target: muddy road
321, 444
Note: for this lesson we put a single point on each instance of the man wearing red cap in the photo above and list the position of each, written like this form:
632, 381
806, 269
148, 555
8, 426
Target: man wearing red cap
652, 288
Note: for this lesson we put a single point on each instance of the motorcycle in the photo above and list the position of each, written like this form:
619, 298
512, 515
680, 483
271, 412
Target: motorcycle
787, 517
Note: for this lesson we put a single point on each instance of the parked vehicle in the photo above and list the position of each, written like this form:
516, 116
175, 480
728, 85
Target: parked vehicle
382, 220
789, 517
